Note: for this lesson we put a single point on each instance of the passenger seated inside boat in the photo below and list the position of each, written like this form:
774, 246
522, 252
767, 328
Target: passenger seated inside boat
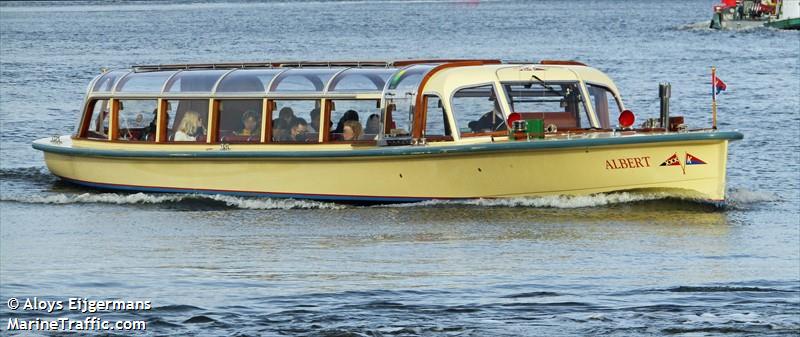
314, 126
351, 130
373, 125
191, 128
349, 115
298, 131
249, 124
149, 132
285, 118
490, 121
282, 125
100, 124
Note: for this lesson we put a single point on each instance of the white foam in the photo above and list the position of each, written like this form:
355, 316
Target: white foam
738, 196
105, 198
555, 201
145, 198
268, 203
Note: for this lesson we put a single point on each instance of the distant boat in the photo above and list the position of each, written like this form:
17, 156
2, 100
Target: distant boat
738, 14
376, 132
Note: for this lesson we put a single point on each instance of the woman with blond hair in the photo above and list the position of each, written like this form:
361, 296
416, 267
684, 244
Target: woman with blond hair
351, 130
190, 128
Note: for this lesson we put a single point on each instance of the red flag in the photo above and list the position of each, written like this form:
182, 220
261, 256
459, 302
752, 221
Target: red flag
719, 85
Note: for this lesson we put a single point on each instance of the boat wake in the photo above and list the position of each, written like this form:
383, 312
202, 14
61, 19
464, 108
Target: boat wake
200, 200
556, 201
704, 26
35, 185
738, 198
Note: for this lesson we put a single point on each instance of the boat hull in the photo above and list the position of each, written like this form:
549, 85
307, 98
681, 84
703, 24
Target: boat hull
496, 170
793, 23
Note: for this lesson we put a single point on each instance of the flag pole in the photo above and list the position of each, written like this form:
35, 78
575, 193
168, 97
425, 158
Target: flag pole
713, 98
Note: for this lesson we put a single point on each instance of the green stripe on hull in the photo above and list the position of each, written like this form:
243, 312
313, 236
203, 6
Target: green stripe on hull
793, 23
398, 150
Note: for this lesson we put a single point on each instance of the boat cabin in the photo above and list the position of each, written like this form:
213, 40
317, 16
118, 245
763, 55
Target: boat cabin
381, 103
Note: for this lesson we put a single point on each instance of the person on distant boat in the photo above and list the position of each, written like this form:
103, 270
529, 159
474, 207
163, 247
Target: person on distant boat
373, 124
299, 130
351, 130
349, 115
249, 123
190, 129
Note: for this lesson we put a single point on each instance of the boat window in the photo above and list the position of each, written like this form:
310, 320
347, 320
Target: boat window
247, 80
477, 111
353, 120
188, 123
293, 121
240, 120
144, 82
436, 125
106, 82
408, 79
559, 104
195, 80
605, 103
360, 80
294, 80
399, 113
137, 120
98, 121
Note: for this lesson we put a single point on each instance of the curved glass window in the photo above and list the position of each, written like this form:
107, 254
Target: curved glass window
106, 82
195, 80
361, 80
409, 79
144, 82
605, 103
247, 80
303, 80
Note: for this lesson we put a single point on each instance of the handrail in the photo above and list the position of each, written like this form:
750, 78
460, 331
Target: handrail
297, 64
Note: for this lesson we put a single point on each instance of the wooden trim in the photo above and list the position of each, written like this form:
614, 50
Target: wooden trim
213, 121
423, 61
420, 110
266, 132
479, 134
87, 118
387, 123
113, 120
562, 62
162, 120
325, 121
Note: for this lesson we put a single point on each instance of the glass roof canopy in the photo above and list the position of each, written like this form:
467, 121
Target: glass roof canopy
250, 81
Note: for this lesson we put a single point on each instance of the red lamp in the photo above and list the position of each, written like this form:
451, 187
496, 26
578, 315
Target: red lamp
626, 119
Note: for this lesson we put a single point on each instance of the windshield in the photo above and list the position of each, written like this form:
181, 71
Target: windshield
557, 103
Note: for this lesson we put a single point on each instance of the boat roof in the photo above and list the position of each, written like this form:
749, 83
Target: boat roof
301, 77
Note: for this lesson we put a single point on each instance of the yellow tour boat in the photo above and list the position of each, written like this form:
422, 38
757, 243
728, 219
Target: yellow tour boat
376, 132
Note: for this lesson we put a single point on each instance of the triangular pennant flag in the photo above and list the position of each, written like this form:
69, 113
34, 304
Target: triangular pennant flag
692, 160
672, 161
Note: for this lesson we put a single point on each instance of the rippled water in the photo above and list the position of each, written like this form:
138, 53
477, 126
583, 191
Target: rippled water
614, 264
